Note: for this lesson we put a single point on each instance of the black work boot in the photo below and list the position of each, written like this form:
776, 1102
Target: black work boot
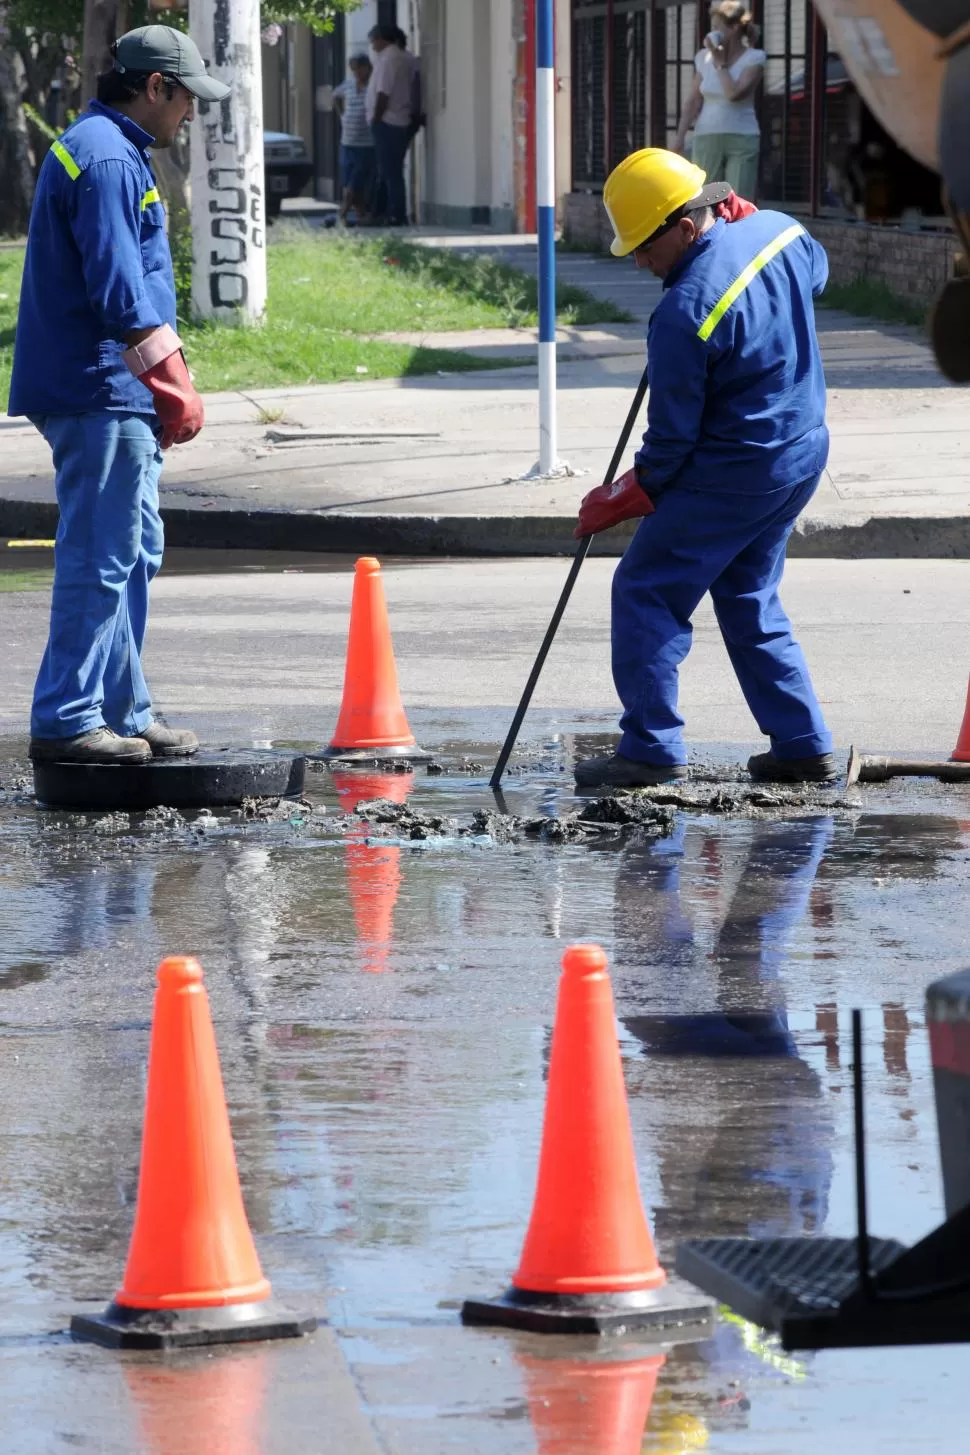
166, 742
620, 772
766, 768
100, 745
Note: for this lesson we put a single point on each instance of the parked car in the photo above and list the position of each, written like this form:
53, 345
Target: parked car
288, 168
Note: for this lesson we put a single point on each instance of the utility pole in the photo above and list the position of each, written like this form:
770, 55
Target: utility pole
549, 465
228, 186
546, 215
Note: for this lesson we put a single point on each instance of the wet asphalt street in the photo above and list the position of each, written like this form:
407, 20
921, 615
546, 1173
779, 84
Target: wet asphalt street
383, 1010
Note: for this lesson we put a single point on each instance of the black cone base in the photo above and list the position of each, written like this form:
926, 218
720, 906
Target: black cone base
673, 1307
211, 779
241, 1323
363, 756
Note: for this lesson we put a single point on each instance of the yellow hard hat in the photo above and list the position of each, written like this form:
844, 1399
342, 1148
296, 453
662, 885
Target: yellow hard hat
646, 187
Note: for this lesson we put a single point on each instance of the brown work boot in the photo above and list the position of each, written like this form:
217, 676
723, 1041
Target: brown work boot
100, 745
620, 772
166, 742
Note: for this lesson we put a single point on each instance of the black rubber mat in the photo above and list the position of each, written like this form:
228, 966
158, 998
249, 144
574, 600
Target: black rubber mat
766, 1279
211, 779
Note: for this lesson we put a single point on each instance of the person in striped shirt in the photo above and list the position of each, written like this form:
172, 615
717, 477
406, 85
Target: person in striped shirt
357, 152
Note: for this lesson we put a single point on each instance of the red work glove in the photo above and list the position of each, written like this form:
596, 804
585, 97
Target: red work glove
159, 363
733, 208
177, 404
609, 504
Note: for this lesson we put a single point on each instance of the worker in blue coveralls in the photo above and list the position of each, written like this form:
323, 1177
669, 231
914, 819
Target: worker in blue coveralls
734, 448
98, 368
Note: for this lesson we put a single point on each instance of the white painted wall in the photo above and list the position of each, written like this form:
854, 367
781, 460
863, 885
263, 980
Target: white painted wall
503, 83
468, 59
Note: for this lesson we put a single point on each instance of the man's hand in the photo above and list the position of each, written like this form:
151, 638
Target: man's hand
609, 504
155, 357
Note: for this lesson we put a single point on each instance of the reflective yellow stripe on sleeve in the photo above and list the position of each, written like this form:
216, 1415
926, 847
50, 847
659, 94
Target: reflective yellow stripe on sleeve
66, 160
743, 279
150, 196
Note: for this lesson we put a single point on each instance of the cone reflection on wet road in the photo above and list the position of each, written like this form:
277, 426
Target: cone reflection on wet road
214, 1405
589, 1407
373, 870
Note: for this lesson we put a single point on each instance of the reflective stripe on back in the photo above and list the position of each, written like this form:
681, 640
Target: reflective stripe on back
66, 160
743, 279
150, 196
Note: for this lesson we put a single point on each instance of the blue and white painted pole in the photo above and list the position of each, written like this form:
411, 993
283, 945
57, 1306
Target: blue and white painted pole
545, 113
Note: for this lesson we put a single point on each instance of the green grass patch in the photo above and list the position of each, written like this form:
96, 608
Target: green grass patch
872, 300
287, 354
326, 290
39, 580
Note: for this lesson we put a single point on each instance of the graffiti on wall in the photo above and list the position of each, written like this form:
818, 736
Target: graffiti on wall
228, 189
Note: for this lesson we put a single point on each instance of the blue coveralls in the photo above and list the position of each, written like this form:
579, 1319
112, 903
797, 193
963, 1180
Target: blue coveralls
734, 447
98, 266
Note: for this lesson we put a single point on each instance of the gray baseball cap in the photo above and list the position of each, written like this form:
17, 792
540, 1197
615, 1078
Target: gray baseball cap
160, 48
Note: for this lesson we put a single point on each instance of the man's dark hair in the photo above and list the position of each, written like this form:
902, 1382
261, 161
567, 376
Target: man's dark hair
118, 86
383, 32
400, 38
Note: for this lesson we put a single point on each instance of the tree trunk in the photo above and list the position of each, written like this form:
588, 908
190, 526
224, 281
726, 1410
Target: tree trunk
171, 167
15, 165
104, 21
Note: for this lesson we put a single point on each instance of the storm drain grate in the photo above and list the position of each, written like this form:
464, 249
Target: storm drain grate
765, 1279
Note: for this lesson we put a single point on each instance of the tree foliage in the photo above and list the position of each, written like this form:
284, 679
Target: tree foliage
66, 17
316, 15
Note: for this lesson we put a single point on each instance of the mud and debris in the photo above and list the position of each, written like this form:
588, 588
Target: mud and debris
163, 818
279, 810
602, 816
754, 800
112, 823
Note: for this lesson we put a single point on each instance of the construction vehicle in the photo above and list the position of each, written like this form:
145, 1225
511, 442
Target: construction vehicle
910, 61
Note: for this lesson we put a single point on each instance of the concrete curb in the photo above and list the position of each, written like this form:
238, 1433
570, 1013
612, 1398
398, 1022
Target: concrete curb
946, 537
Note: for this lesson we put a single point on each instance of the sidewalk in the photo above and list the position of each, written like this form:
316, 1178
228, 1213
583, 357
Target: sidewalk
432, 465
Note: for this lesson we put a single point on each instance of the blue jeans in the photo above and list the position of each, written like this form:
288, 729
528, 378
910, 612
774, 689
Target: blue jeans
391, 143
357, 170
109, 547
734, 547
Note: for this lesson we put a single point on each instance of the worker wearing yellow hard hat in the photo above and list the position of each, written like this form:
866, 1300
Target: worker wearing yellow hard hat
647, 189
734, 448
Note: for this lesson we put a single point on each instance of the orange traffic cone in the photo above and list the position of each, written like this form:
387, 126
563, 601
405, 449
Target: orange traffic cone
373, 870
193, 1274
588, 1264
961, 753
589, 1406
372, 724
218, 1401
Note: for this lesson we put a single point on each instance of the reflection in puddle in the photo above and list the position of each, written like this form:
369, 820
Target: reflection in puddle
589, 1407
373, 870
216, 1404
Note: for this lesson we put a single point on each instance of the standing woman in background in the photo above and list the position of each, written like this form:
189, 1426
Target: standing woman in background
720, 106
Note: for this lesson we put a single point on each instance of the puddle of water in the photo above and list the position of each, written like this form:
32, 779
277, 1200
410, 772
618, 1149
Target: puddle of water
383, 1015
